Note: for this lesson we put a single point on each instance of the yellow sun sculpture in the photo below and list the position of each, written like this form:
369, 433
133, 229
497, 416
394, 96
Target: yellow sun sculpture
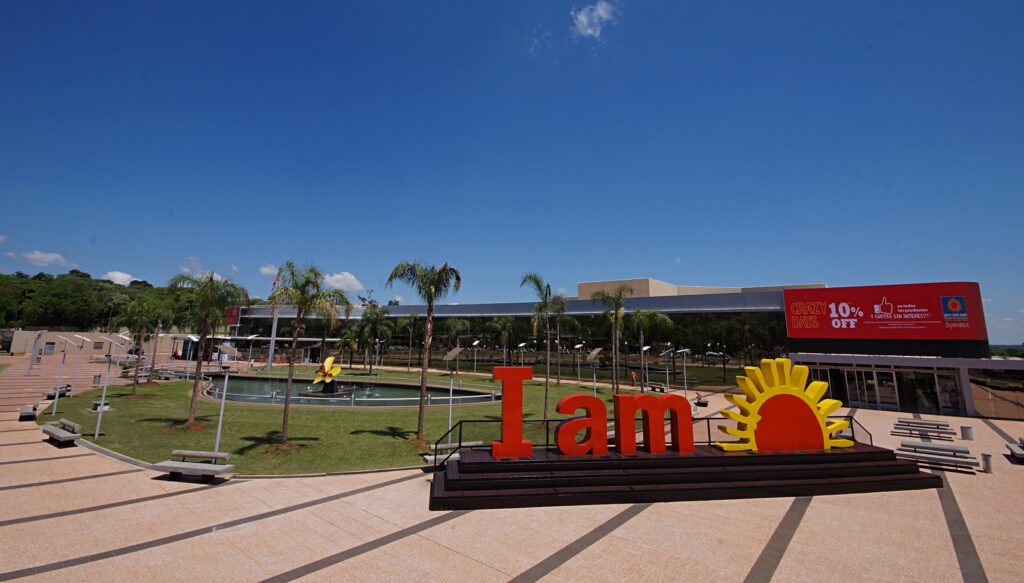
327, 371
776, 412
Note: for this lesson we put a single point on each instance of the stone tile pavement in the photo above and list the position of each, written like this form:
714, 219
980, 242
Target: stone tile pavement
74, 515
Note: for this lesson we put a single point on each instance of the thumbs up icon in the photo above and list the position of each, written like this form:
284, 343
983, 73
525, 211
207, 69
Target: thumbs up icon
884, 308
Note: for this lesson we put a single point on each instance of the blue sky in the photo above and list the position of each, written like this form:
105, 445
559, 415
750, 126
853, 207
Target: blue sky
740, 143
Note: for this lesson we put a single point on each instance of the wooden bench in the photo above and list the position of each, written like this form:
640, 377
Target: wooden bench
1016, 450
937, 454
64, 391
205, 470
28, 412
912, 421
910, 428
62, 432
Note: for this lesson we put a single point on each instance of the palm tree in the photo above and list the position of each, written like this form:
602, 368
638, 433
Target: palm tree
211, 296
374, 327
542, 312
504, 328
163, 312
350, 340
409, 323
558, 306
304, 290
140, 317
614, 301
649, 324
431, 283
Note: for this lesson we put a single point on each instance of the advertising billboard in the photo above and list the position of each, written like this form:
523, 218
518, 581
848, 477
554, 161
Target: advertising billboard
920, 311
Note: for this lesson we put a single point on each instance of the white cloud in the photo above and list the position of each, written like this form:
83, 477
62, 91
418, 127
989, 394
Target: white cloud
192, 266
44, 259
118, 277
589, 21
3, 238
398, 298
988, 300
344, 281
537, 41
234, 269
268, 269
1020, 311
10, 254
678, 260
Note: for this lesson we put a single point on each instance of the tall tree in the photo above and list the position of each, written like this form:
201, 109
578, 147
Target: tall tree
211, 295
614, 301
558, 307
503, 328
646, 325
140, 317
432, 283
542, 314
374, 327
304, 290
410, 324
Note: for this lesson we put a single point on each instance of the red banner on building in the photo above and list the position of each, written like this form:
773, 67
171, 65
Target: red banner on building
919, 311
231, 315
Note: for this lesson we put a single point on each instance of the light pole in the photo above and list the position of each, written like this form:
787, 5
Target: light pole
522, 351
220, 419
684, 352
476, 347
191, 351
664, 357
250, 338
645, 372
56, 389
103, 395
577, 349
78, 361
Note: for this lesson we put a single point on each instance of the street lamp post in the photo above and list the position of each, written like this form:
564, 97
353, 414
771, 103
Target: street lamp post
476, 346
103, 395
220, 418
684, 352
577, 348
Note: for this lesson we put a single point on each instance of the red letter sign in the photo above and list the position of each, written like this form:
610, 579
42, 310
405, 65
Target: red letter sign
595, 424
653, 409
512, 443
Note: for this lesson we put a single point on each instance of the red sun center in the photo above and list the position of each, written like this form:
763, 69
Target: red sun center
954, 306
788, 424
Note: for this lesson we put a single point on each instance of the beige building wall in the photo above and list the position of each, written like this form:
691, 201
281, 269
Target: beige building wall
646, 287
99, 345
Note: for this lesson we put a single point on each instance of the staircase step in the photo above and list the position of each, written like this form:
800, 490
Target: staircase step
457, 480
442, 499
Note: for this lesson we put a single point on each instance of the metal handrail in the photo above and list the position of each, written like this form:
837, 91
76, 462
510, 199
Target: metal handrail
706, 421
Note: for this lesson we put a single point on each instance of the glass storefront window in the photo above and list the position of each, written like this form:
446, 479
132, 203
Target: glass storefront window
998, 393
917, 391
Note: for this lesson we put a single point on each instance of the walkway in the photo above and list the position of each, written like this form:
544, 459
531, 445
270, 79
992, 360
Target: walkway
73, 515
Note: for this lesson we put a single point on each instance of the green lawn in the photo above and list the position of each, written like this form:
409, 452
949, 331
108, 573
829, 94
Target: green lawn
3, 366
329, 439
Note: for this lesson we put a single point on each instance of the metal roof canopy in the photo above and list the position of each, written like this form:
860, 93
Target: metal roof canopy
769, 301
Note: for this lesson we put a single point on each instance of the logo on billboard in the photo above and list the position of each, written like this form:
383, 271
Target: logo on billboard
954, 308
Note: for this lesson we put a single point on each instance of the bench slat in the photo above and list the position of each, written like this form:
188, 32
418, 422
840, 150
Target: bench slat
193, 468
935, 446
213, 455
943, 459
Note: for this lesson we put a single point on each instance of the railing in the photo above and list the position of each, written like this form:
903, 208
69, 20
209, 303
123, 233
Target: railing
487, 430
350, 400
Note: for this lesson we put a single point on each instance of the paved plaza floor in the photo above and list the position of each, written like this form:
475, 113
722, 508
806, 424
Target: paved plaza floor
74, 515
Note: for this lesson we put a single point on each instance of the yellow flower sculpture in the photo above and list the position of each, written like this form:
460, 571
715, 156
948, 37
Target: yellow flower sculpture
328, 370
